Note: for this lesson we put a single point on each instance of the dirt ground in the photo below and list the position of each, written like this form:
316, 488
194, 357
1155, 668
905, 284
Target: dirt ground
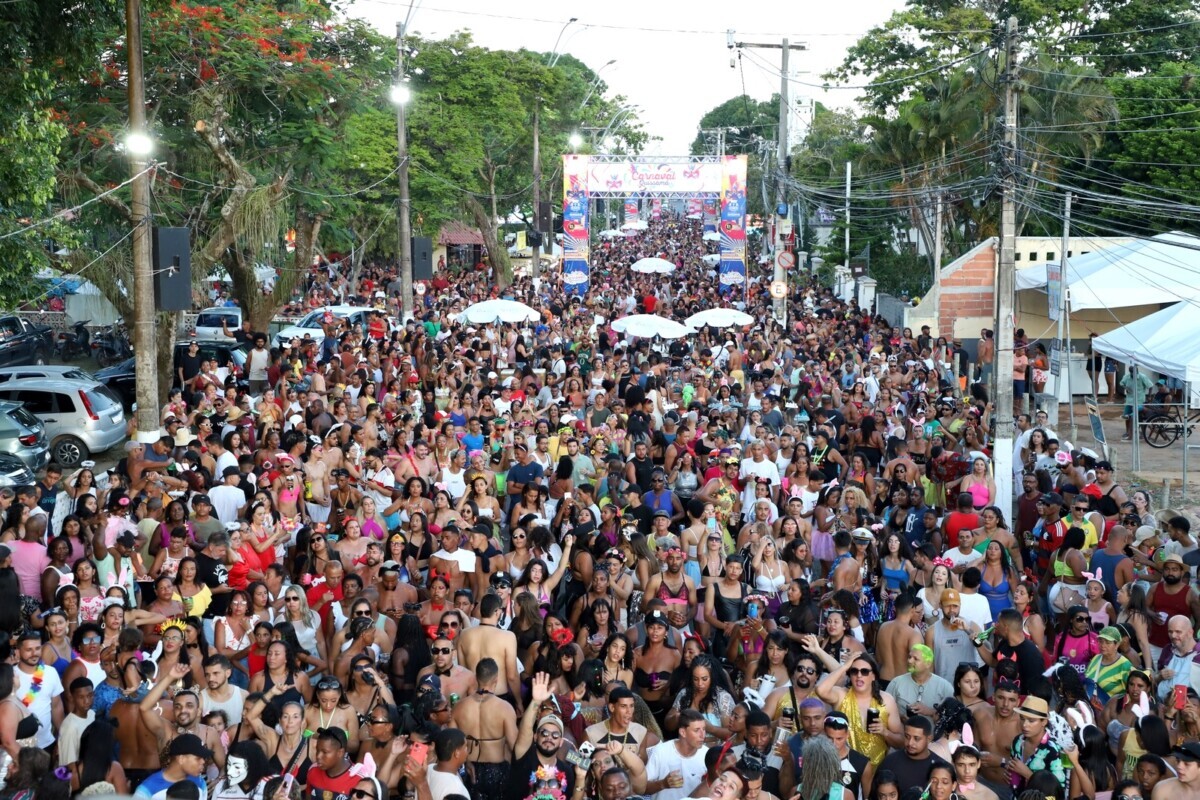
1157, 465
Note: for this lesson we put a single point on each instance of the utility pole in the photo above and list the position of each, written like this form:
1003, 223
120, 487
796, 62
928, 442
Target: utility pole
534, 265
404, 221
145, 346
937, 263
1006, 280
846, 245
785, 47
1064, 319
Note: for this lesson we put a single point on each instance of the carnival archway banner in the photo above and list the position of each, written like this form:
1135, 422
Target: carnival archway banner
705, 181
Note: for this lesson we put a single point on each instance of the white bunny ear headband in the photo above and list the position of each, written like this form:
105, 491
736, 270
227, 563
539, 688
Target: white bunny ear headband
966, 743
1081, 714
1142, 707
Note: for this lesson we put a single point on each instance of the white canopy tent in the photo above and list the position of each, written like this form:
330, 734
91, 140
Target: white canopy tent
1162, 269
1166, 342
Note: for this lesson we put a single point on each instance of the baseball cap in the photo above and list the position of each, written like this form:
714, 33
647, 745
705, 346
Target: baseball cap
201, 498
1051, 499
430, 683
1188, 751
188, 744
950, 596
551, 719
1110, 633
1143, 533
657, 617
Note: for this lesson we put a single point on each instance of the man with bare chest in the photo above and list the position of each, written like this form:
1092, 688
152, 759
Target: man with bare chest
896, 637
453, 562
491, 728
419, 462
998, 726
486, 640
454, 679
394, 595
316, 484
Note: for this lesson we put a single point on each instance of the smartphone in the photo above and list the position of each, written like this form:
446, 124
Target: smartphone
872, 716
752, 611
288, 780
1180, 697
418, 751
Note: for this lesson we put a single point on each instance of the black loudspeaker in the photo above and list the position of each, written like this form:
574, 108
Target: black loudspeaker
422, 258
535, 239
544, 218
172, 269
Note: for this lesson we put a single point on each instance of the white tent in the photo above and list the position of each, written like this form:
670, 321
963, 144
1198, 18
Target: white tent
1166, 342
1163, 269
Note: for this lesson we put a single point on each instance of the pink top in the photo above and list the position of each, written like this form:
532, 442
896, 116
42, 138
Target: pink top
29, 561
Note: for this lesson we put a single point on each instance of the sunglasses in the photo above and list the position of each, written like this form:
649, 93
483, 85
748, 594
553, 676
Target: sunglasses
291, 599
807, 670
450, 624
91, 640
837, 723
440, 651
1080, 619
326, 684
864, 672
550, 734
362, 613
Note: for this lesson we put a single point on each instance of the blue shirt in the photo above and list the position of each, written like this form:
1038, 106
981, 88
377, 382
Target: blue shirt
473, 441
155, 787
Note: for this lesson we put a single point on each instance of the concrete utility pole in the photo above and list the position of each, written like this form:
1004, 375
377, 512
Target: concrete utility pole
937, 263
404, 216
846, 244
534, 265
1064, 320
145, 346
1006, 280
785, 47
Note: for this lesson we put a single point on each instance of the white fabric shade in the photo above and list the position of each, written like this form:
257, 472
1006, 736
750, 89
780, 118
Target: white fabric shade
503, 310
1166, 342
653, 265
1163, 269
719, 318
650, 325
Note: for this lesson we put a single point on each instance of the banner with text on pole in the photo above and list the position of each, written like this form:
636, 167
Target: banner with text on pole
576, 241
733, 224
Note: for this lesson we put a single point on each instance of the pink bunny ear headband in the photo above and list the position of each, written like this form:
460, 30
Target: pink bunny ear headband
1098, 577
966, 743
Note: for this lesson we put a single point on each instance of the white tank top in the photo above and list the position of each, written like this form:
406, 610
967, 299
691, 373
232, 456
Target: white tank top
456, 483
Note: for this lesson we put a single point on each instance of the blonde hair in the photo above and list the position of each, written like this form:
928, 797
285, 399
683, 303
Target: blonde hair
855, 498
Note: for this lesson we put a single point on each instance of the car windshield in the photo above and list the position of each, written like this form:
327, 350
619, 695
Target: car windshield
213, 319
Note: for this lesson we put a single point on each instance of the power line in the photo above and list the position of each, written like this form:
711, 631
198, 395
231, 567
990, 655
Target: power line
77, 208
906, 79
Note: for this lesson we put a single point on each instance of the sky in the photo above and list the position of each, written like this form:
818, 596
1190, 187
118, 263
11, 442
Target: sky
672, 58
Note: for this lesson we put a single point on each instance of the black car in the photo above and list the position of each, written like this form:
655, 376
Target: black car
230, 355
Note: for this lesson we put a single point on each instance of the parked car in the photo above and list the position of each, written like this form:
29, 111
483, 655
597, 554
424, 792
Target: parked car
64, 371
23, 435
23, 343
230, 355
14, 472
310, 325
208, 322
80, 417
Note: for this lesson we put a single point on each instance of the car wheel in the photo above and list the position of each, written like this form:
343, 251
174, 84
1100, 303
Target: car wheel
39, 358
69, 451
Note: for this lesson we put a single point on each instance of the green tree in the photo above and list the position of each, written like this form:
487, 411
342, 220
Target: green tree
745, 118
39, 38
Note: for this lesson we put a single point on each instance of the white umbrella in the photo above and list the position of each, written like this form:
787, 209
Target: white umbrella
610, 234
503, 310
712, 259
653, 265
719, 318
712, 236
631, 225
695, 215
630, 233
650, 325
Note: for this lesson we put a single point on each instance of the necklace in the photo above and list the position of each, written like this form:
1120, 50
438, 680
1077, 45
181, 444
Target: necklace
35, 685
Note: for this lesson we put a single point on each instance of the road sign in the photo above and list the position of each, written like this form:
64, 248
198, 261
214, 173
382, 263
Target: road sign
419, 288
778, 289
785, 259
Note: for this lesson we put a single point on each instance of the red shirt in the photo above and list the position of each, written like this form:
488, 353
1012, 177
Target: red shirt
319, 786
956, 522
1049, 540
314, 593
649, 301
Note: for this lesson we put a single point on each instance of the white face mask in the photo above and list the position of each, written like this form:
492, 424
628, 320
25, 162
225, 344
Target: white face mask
236, 768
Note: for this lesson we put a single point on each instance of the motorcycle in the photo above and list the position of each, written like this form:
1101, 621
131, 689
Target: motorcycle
74, 345
111, 346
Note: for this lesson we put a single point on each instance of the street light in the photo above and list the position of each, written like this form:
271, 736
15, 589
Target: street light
595, 83
554, 56
575, 141
400, 94
139, 144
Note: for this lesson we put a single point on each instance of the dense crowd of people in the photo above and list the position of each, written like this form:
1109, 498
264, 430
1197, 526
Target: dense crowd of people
434, 559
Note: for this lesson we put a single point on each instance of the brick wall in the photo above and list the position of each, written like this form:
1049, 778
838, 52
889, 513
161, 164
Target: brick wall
968, 288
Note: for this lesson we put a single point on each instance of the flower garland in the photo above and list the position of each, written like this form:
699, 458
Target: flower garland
35, 685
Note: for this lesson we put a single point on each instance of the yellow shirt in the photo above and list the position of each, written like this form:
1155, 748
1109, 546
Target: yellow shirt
1090, 536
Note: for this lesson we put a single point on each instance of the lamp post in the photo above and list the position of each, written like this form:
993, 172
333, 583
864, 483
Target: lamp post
576, 141
595, 83
139, 145
401, 94
554, 55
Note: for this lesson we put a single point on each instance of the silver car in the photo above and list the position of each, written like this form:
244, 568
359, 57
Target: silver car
80, 417
23, 435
